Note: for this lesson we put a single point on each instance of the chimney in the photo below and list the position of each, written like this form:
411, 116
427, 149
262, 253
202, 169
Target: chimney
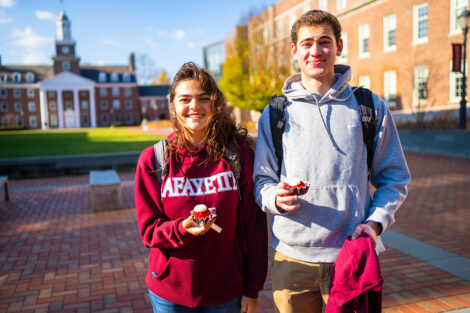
132, 63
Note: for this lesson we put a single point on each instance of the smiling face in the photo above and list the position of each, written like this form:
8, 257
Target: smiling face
316, 51
193, 109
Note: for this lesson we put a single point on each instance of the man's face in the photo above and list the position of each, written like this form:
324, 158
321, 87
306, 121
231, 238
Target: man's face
316, 51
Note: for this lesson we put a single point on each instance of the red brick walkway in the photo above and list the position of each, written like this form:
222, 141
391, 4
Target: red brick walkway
58, 256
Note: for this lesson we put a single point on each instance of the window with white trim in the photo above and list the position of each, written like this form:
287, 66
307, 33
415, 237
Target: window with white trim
364, 40
390, 27
455, 84
17, 93
116, 104
420, 23
114, 77
52, 105
16, 77
33, 121
103, 91
53, 120
127, 91
115, 91
85, 104
4, 107
66, 65
105, 119
3, 93
51, 94
31, 93
364, 81
128, 104
340, 4
18, 106
85, 120
126, 77
129, 119
32, 106
3, 77
323, 5
104, 105
30, 77
456, 8
420, 85
344, 52
102, 77
117, 118
390, 88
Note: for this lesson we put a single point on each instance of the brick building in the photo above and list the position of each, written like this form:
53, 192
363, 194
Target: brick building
70, 95
401, 50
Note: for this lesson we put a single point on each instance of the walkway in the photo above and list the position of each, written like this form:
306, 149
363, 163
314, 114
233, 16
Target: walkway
58, 256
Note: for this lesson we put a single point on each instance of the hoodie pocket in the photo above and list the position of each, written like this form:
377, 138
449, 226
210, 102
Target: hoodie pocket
327, 215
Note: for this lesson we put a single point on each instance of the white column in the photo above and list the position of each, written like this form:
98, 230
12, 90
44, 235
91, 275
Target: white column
43, 109
91, 92
60, 108
76, 107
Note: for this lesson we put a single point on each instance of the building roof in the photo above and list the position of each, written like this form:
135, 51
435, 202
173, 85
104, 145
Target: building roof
40, 72
154, 91
93, 72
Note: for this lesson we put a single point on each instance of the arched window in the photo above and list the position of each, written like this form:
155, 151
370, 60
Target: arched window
3, 77
126, 77
30, 77
102, 77
114, 77
16, 77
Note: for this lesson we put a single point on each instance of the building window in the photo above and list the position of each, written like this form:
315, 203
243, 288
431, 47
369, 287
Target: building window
129, 119
54, 120
128, 104
66, 65
456, 8
17, 93
455, 84
104, 105
364, 40
18, 107
30, 77
16, 77
390, 88
116, 104
390, 26
3, 93
33, 122
114, 77
4, 78
4, 107
20, 121
51, 94
30, 93
102, 77
127, 91
52, 105
84, 104
85, 120
68, 105
292, 19
420, 89
32, 106
420, 23
265, 34
322, 5
126, 77
105, 119
117, 118
340, 4
103, 91
280, 28
364, 81
115, 91
344, 53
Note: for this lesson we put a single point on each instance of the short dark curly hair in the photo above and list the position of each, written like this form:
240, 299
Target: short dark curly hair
316, 17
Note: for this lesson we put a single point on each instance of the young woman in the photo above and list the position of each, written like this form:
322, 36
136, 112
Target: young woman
193, 268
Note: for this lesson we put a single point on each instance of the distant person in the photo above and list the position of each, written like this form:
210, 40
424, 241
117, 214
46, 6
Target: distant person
323, 146
193, 268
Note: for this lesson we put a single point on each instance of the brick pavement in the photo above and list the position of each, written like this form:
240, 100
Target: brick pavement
58, 256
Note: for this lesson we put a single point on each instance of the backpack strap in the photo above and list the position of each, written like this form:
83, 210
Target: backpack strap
368, 120
277, 119
160, 161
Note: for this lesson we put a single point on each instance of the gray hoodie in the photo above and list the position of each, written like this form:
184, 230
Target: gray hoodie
323, 145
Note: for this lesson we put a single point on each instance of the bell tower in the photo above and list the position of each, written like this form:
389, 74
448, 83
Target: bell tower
65, 58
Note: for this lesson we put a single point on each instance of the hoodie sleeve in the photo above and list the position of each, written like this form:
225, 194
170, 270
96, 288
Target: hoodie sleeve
156, 229
265, 166
390, 175
255, 230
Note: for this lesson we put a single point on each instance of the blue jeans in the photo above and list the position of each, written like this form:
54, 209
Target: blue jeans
161, 305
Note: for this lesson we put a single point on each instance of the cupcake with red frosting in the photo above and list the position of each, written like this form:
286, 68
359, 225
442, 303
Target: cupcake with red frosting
298, 187
202, 215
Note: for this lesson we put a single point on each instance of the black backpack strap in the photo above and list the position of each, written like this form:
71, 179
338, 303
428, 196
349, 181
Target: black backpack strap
277, 119
160, 160
368, 120
236, 165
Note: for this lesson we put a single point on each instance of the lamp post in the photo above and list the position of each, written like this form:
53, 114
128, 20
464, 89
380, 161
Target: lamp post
463, 22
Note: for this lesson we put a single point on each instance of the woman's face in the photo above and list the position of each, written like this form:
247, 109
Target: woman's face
193, 109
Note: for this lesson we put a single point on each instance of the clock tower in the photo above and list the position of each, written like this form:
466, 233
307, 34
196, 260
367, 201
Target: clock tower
65, 58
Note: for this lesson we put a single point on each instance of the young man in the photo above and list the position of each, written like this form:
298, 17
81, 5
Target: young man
323, 145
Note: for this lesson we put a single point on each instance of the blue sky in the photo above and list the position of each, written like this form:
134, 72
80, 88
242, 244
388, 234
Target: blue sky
107, 31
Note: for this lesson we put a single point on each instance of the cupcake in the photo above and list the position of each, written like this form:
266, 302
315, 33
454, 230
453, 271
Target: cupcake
202, 215
298, 187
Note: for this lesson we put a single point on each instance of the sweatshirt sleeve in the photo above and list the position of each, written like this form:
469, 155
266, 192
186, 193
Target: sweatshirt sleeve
265, 166
390, 175
255, 231
156, 229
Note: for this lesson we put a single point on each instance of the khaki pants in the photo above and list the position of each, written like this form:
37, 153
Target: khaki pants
299, 287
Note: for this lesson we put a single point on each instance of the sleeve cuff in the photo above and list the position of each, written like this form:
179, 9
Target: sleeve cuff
251, 293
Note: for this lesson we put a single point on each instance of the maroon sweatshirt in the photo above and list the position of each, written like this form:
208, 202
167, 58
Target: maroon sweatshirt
213, 268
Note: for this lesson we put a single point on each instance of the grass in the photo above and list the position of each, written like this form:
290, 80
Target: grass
28, 143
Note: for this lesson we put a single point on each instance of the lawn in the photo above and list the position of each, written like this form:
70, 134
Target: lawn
28, 143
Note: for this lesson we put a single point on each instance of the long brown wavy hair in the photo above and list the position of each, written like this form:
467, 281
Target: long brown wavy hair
222, 133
